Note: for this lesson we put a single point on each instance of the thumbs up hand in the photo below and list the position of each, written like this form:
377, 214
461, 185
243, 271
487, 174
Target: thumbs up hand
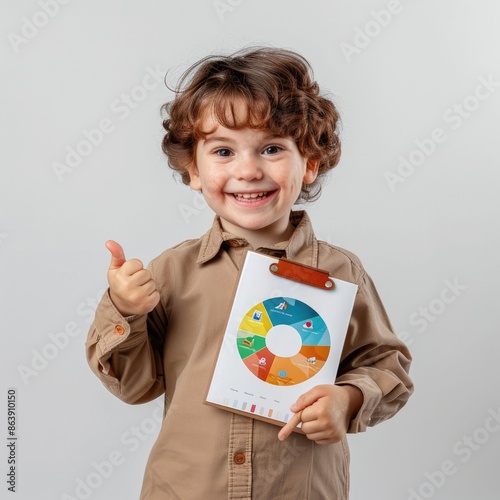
131, 287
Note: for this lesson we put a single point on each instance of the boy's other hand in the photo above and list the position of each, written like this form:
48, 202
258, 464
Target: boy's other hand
325, 412
131, 287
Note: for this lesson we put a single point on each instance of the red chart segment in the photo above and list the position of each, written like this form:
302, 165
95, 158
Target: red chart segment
260, 363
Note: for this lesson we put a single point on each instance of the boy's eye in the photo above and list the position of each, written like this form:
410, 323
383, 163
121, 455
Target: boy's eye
223, 152
272, 150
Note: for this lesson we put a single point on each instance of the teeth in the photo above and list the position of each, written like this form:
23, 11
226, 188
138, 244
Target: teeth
250, 196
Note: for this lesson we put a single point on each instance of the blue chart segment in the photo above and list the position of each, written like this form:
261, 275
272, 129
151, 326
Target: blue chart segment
283, 341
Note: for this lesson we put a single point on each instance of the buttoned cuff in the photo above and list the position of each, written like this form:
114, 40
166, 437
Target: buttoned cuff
372, 395
112, 330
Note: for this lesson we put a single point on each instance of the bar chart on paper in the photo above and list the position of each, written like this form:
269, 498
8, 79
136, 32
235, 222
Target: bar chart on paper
262, 411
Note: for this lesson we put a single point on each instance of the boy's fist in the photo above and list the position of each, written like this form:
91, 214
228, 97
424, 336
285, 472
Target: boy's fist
131, 287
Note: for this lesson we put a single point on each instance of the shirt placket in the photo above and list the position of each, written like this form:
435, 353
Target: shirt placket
240, 458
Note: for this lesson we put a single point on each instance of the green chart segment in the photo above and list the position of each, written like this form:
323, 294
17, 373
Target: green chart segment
271, 367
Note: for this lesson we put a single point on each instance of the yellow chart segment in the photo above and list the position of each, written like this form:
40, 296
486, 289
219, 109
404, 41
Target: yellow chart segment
259, 326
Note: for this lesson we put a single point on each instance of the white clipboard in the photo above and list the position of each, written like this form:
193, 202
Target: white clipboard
284, 335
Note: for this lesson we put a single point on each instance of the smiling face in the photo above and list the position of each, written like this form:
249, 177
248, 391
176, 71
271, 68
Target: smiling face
251, 179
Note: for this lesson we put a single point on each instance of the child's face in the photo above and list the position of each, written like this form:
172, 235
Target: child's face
250, 178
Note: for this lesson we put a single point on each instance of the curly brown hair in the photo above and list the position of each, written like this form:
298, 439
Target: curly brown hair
280, 94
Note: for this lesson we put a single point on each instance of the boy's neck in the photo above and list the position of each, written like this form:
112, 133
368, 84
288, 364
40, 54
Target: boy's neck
265, 237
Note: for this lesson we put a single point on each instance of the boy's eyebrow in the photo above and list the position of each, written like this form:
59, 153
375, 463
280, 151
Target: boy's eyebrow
217, 138
220, 138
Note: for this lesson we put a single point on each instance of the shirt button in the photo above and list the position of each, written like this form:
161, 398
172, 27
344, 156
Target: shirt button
119, 329
235, 243
239, 458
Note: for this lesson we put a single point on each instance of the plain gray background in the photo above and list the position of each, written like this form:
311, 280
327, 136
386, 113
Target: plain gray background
414, 80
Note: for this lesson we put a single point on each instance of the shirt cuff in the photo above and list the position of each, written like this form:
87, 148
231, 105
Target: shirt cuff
371, 399
114, 330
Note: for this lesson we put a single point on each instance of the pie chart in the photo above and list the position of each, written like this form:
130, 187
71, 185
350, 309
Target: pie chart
283, 341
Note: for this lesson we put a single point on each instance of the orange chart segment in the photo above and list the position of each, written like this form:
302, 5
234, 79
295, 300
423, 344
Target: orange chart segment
315, 353
293, 370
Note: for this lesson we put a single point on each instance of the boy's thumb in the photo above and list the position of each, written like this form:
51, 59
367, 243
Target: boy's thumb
117, 254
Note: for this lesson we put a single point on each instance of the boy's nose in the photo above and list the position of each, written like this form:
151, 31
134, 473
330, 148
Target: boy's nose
248, 168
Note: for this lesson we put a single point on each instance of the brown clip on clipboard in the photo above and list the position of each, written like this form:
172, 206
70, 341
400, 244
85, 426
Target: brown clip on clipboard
303, 274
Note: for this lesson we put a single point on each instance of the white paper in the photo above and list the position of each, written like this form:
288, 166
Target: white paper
282, 339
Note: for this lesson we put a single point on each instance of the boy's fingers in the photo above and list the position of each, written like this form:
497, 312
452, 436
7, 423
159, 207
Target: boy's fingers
307, 399
290, 426
117, 254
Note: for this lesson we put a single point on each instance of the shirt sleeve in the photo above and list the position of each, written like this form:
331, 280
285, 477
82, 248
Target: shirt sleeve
375, 360
126, 352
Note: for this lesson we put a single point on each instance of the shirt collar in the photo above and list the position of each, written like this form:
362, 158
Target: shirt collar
302, 245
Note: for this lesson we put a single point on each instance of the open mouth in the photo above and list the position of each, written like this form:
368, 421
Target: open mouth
251, 197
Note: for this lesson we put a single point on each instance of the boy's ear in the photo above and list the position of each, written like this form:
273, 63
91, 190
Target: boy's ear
312, 167
194, 177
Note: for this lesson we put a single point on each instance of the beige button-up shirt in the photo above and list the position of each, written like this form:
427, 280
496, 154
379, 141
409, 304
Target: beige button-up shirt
207, 453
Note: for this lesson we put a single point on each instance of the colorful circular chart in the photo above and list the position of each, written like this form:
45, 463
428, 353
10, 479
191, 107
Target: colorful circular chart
283, 341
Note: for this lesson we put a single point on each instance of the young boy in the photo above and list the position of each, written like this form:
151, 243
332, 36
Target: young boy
253, 134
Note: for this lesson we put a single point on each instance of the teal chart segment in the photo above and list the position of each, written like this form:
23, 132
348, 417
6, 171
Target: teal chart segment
283, 341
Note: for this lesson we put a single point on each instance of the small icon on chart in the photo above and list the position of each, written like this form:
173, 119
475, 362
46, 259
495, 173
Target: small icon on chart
257, 315
262, 361
311, 361
282, 305
308, 324
248, 341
